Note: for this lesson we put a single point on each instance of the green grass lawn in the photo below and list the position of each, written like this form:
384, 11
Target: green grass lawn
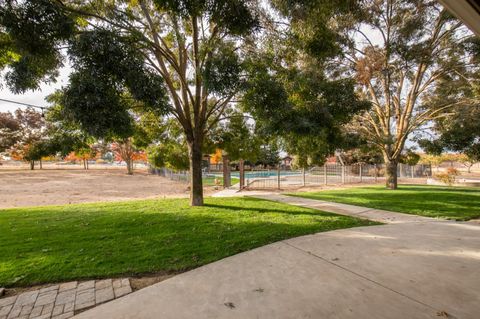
448, 202
59, 243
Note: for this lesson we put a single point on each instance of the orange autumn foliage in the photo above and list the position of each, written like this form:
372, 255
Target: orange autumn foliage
217, 157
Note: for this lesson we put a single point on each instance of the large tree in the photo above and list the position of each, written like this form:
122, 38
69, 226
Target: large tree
399, 52
292, 93
65, 135
186, 50
10, 131
168, 148
69, 134
237, 137
459, 131
31, 136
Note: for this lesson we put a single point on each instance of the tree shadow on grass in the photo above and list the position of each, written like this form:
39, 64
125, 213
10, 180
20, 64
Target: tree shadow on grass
431, 188
116, 240
302, 211
460, 204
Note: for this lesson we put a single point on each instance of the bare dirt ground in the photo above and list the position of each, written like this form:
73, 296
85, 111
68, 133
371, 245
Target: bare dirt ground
20, 188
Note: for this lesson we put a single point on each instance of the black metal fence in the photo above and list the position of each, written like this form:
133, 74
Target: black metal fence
182, 176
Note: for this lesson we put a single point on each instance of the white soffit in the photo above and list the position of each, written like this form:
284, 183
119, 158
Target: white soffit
466, 10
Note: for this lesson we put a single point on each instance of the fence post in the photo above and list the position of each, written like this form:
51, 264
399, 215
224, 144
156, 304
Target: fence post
343, 174
325, 173
376, 171
303, 175
278, 176
361, 177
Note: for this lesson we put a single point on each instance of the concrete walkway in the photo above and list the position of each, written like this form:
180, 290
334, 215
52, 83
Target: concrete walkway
228, 192
378, 215
412, 268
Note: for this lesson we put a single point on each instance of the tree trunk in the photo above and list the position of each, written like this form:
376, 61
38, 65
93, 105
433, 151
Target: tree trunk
84, 165
196, 185
226, 171
391, 173
32, 165
241, 166
41, 167
129, 163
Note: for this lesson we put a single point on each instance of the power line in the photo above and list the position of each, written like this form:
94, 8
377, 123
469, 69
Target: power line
24, 104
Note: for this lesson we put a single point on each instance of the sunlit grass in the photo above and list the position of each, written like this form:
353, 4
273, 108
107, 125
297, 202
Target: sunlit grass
59, 243
458, 203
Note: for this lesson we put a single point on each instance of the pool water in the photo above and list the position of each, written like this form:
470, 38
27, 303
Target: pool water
264, 174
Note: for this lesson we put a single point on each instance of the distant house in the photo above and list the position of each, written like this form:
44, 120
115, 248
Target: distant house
286, 162
332, 160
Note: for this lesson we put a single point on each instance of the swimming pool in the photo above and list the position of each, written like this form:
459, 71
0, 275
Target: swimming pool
265, 174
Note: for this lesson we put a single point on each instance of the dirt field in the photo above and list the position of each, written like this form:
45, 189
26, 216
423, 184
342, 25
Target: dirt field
20, 188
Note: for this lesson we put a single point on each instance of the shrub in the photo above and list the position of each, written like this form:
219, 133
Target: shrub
448, 177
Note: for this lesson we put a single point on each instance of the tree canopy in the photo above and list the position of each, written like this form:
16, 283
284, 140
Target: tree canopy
291, 91
31, 36
10, 131
301, 69
174, 58
400, 51
458, 131
186, 60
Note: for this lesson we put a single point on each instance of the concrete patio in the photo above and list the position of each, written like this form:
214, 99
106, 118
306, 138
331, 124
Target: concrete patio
414, 267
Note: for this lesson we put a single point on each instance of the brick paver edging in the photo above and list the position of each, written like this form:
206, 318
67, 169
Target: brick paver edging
63, 300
